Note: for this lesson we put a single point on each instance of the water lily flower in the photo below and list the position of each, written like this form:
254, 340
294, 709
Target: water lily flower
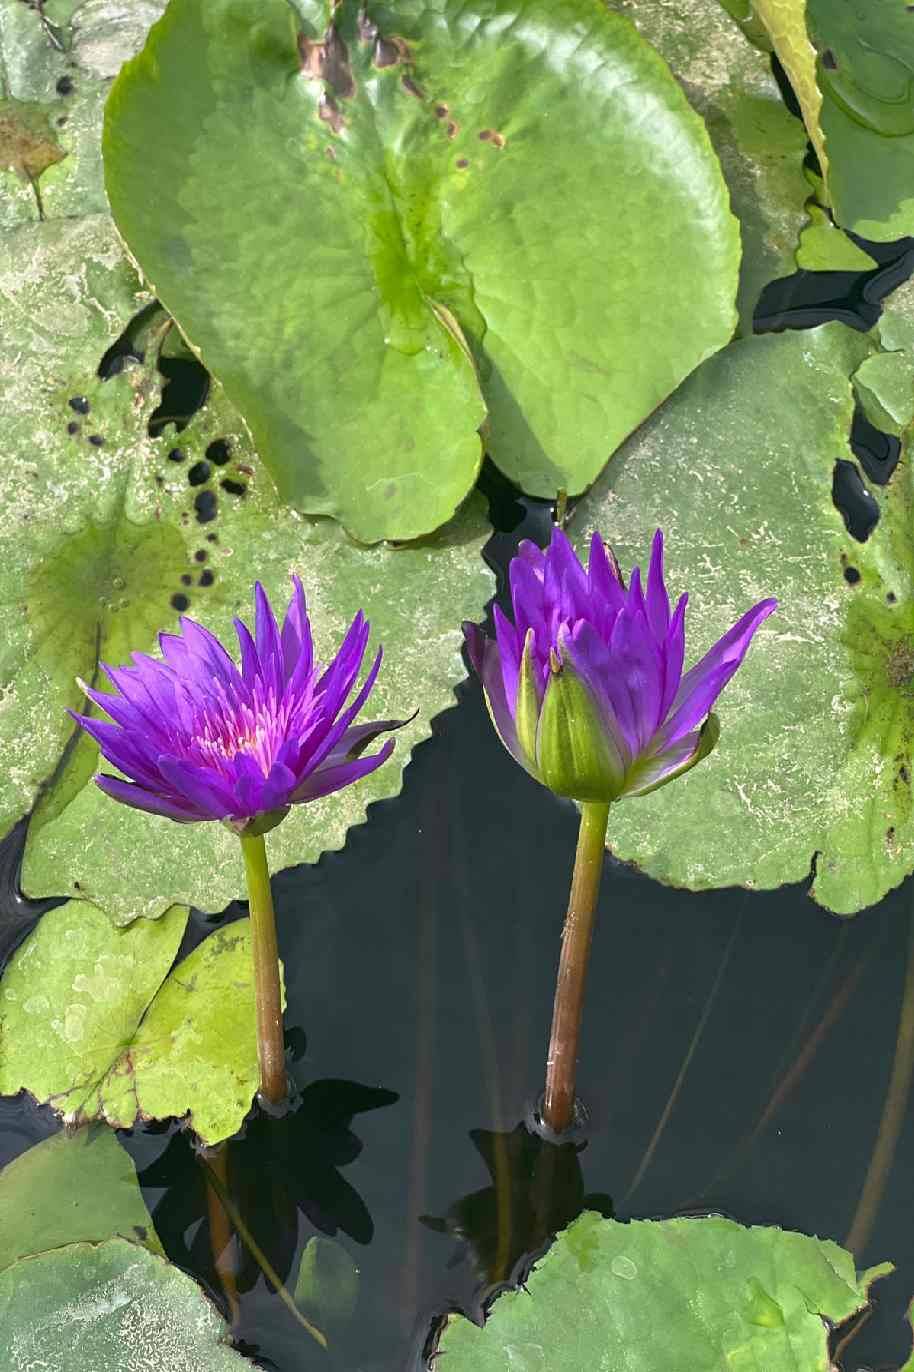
586, 686
587, 691
203, 739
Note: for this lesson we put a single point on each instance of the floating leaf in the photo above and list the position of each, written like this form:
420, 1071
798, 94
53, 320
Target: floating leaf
785, 21
760, 144
91, 1023
327, 1286
348, 218
73, 994
884, 383
698, 1293
817, 728
824, 247
54, 79
111, 1307
71, 1188
97, 541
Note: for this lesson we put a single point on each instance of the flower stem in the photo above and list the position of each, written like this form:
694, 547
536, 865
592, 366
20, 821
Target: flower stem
561, 1064
267, 994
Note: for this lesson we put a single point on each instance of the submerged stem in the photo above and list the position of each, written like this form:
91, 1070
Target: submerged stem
267, 994
561, 1064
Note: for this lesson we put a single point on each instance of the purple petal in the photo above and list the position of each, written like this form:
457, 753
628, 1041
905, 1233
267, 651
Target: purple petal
673, 653
250, 662
119, 748
528, 604
297, 643
142, 799
475, 639
657, 602
328, 779
493, 685
206, 647
637, 667
205, 793
269, 644
565, 585
277, 787
701, 686
358, 737
345, 719
510, 649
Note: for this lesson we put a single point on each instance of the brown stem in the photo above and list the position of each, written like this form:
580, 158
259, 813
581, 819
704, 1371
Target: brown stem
558, 1100
267, 993
221, 1234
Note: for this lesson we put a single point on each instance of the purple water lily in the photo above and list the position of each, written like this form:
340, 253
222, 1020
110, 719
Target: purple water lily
202, 739
586, 687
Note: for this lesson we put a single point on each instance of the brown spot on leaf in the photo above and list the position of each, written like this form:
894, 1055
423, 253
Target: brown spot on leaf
327, 60
829, 61
27, 144
411, 88
330, 151
453, 128
492, 136
389, 51
329, 112
900, 665
462, 163
442, 111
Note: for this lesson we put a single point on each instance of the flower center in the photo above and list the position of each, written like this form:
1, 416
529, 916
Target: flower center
257, 730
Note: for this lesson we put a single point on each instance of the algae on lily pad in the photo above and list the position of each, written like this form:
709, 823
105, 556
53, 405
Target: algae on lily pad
381, 225
94, 1022
649, 1296
111, 1307
813, 767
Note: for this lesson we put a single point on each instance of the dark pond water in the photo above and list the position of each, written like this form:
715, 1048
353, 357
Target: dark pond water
737, 1048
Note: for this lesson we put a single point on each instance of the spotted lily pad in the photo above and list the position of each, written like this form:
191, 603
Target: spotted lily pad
71, 1188
813, 768
647, 1296
111, 1307
56, 65
94, 1023
381, 229
107, 534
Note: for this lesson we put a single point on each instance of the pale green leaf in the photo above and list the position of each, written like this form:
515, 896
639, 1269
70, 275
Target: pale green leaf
91, 1024
111, 1307
649, 1296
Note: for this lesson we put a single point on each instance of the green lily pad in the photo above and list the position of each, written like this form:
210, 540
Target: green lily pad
111, 1307
93, 1022
56, 65
824, 247
866, 74
760, 144
647, 1296
817, 728
377, 235
71, 1188
884, 383
96, 543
